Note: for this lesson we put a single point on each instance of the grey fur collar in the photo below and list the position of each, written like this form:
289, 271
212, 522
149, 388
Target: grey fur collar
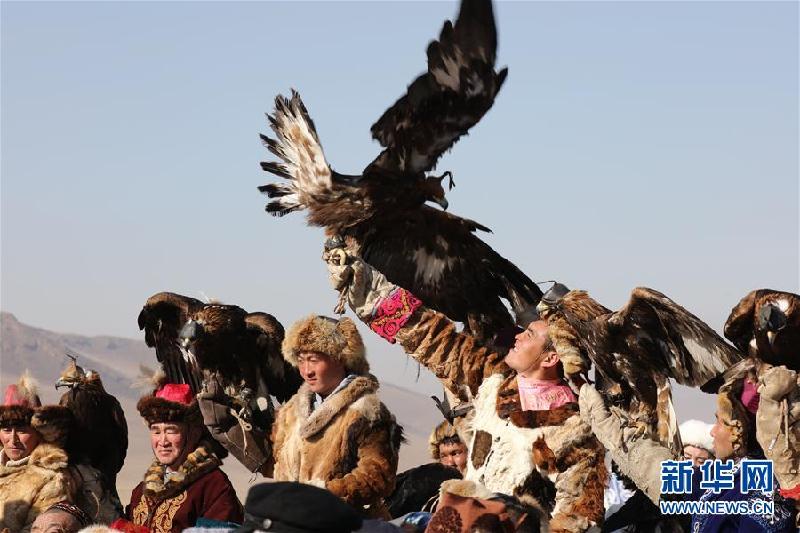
314, 422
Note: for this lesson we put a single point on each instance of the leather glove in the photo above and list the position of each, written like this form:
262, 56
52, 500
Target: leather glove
777, 382
638, 458
362, 287
248, 444
777, 427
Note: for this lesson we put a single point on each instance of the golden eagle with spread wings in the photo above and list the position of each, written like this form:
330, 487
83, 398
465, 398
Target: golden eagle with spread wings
195, 341
382, 213
99, 435
636, 350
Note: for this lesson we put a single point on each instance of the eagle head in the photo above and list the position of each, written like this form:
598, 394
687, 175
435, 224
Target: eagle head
72, 376
551, 300
211, 333
433, 190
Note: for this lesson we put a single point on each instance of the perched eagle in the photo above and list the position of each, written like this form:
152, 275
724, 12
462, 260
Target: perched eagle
765, 324
382, 213
99, 436
195, 341
636, 350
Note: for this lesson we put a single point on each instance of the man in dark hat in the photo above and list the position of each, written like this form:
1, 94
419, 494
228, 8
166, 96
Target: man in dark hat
184, 483
289, 507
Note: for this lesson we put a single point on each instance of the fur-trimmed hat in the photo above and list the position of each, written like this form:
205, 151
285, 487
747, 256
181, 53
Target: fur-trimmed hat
22, 407
737, 403
442, 434
170, 403
698, 434
19, 402
338, 339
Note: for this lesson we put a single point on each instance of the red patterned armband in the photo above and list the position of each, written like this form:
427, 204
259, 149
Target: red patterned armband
393, 312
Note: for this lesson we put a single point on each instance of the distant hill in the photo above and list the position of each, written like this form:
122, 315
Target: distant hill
118, 360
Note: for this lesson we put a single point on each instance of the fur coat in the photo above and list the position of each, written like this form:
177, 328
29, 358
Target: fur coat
349, 444
198, 489
549, 456
31, 485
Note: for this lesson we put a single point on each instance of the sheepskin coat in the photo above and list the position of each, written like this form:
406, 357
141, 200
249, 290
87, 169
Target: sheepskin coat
30, 485
349, 444
198, 489
549, 456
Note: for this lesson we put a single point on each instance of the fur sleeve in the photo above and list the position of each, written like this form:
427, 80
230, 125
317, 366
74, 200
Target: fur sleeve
58, 488
580, 484
373, 477
455, 358
278, 437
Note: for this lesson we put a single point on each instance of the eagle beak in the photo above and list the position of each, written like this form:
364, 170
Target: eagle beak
188, 333
61, 383
442, 201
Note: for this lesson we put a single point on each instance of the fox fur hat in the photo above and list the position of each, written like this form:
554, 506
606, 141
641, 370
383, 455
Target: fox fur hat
169, 403
22, 407
339, 339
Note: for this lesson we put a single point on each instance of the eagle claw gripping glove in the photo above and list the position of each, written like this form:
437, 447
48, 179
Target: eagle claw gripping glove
629, 454
777, 428
245, 442
362, 286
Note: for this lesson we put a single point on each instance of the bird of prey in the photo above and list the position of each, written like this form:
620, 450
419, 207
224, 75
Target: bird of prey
636, 350
765, 324
383, 213
99, 435
195, 341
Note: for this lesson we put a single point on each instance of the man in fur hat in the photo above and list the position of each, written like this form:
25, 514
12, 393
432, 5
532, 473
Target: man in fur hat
184, 482
334, 432
33, 463
527, 438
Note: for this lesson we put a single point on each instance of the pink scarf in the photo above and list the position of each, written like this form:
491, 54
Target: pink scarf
540, 395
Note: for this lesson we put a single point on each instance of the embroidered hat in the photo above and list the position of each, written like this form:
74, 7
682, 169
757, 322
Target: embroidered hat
171, 402
78, 513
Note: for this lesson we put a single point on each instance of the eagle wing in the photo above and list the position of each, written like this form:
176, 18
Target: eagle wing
683, 347
280, 378
100, 431
312, 185
161, 318
440, 259
442, 104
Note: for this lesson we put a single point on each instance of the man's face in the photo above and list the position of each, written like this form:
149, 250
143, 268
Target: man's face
453, 454
527, 354
320, 371
19, 442
696, 455
55, 522
171, 443
723, 440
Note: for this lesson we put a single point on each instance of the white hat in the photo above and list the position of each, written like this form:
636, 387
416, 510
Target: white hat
698, 434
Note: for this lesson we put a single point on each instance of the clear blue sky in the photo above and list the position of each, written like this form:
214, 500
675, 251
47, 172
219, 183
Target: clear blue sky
634, 143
